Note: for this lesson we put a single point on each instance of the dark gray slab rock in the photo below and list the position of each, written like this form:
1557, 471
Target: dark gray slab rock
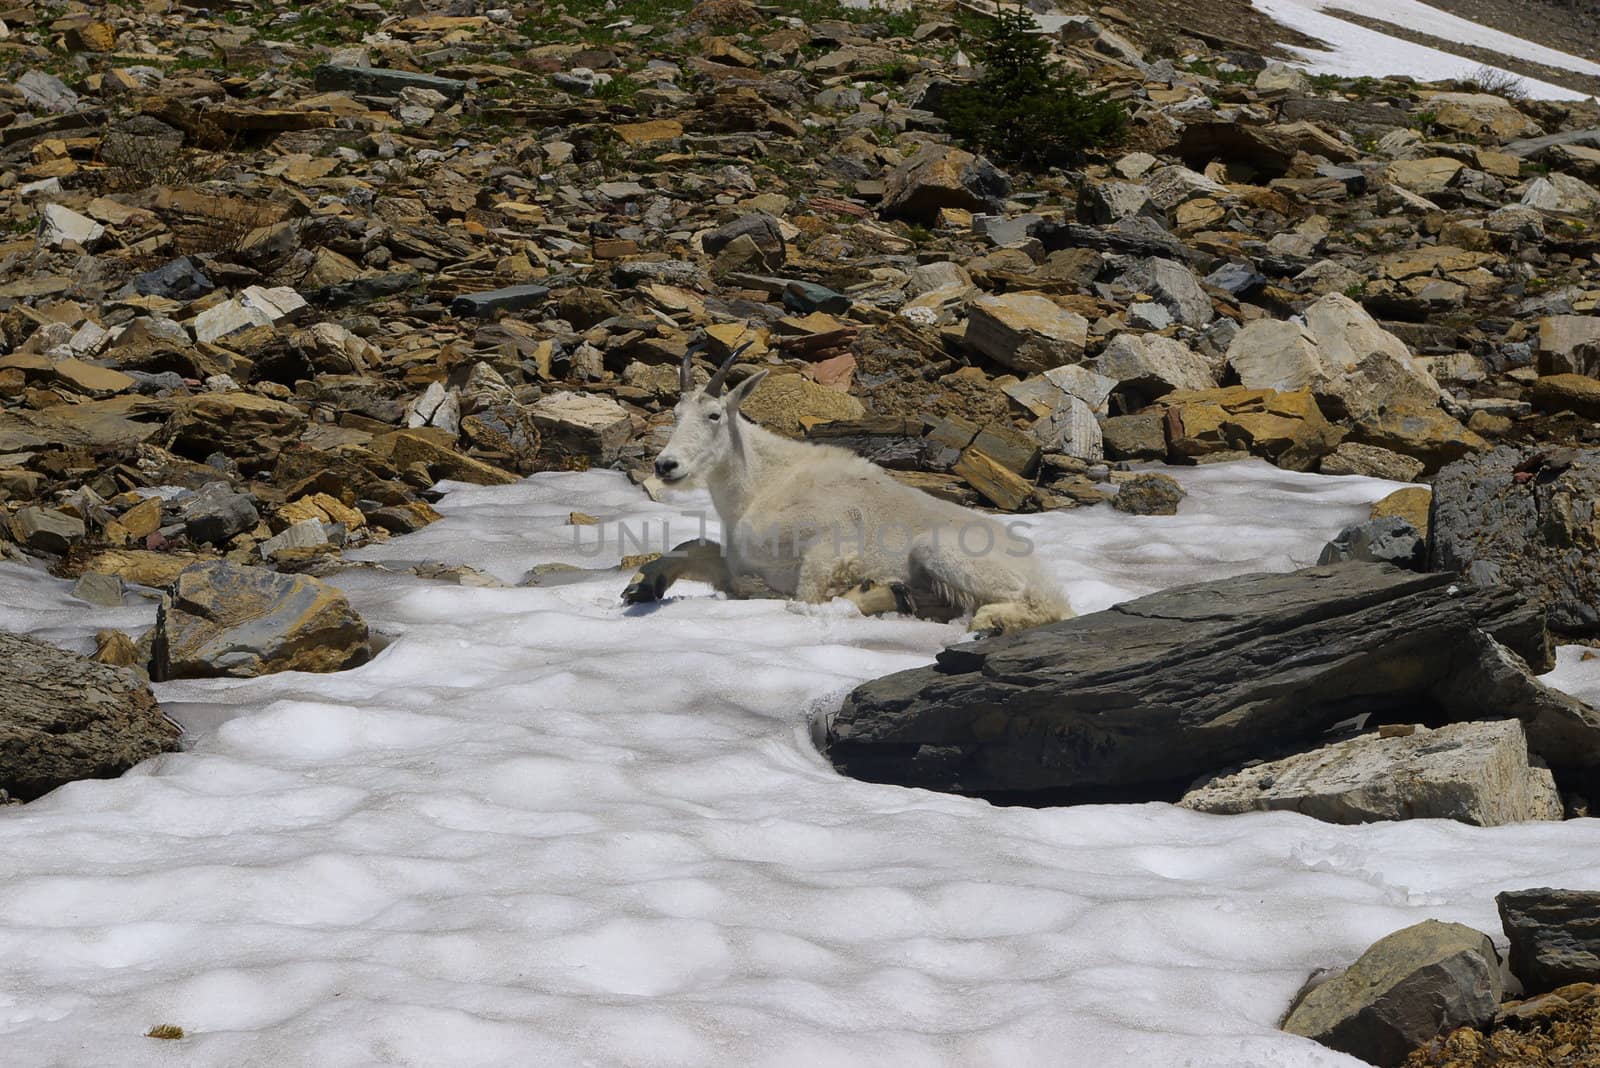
46, 529
64, 717
1555, 936
1534, 145
1389, 540
179, 279
1407, 989
509, 299
378, 81
1140, 700
216, 513
1530, 517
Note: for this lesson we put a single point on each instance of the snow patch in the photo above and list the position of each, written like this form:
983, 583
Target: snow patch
539, 828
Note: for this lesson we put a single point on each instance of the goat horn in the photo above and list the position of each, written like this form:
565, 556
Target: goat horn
686, 370
714, 387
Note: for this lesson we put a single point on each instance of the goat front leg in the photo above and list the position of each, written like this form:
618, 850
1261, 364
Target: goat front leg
697, 561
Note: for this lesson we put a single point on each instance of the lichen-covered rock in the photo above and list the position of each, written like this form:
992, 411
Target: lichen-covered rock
788, 404
1149, 494
65, 717
1025, 331
223, 619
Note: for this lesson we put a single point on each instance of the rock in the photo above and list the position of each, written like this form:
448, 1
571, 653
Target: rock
1425, 177
1287, 428
939, 176
431, 448
1388, 540
760, 227
179, 279
1340, 353
1427, 434
46, 530
1106, 202
1482, 116
1282, 78
582, 424
1568, 393
378, 81
1477, 773
1174, 185
1151, 366
1353, 458
305, 534
100, 590
510, 299
1188, 682
59, 226
248, 428
1135, 437
65, 717
1562, 194
1554, 934
46, 92
216, 513
1172, 286
1149, 494
1025, 331
1410, 987
255, 306
223, 620
788, 404
1528, 516
1071, 429
436, 407
1567, 345
1411, 504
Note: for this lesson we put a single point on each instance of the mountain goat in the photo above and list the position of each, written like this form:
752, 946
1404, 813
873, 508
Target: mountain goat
814, 522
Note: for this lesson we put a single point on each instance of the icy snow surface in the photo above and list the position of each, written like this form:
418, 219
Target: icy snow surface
539, 829
1358, 51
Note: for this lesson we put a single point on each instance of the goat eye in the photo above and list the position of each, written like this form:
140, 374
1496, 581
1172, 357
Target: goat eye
714, 416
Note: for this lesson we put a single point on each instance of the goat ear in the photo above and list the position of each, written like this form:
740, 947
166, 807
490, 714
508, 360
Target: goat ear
737, 394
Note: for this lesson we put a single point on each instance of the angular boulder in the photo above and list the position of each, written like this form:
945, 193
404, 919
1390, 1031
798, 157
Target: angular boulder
1477, 773
64, 717
939, 176
1410, 987
1554, 934
1287, 428
1025, 331
583, 424
225, 620
1152, 366
249, 428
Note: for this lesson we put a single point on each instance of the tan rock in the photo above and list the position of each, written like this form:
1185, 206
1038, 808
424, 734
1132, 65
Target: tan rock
644, 133
788, 403
1286, 428
141, 567
1481, 115
1025, 331
940, 177
1429, 434
1568, 393
1424, 176
1411, 504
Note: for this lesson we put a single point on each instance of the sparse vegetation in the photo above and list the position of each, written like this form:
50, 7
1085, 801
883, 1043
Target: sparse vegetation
1498, 83
1021, 111
170, 1032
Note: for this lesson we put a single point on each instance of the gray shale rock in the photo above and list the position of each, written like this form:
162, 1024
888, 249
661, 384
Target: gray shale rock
1141, 699
1555, 936
64, 717
1408, 988
1388, 540
1478, 773
1532, 516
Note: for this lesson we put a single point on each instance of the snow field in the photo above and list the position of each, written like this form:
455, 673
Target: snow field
542, 829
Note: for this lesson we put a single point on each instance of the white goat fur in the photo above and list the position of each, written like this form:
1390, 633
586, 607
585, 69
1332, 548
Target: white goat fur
773, 494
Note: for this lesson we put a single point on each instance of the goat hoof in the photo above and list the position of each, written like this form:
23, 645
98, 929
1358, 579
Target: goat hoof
644, 589
904, 603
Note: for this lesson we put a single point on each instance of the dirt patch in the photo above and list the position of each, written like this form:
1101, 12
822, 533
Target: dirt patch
1472, 54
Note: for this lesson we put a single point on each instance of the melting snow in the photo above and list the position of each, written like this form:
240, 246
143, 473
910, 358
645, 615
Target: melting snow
539, 829
1357, 51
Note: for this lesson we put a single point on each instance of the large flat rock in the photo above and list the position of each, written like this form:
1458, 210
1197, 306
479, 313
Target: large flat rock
1139, 700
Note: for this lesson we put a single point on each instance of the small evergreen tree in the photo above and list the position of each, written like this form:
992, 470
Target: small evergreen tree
1021, 111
